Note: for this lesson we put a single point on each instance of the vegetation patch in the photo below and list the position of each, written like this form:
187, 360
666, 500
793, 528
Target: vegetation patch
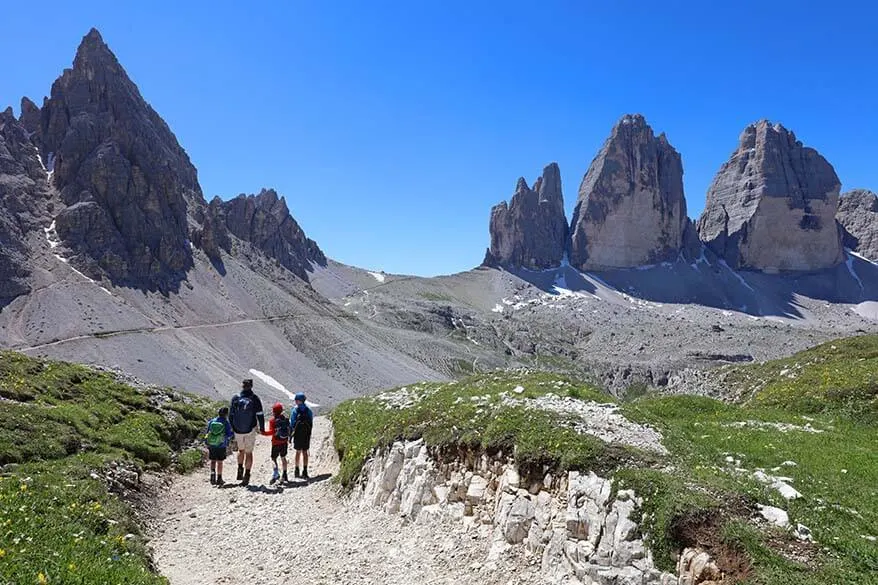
484, 412
61, 425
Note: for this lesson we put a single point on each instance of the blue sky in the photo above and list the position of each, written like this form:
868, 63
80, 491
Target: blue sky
393, 127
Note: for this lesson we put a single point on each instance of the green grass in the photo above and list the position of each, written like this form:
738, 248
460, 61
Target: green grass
838, 377
60, 426
472, 414
831, 388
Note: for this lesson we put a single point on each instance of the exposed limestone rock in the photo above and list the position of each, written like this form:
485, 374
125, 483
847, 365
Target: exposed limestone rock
210, 232
112, 154
695, 567
772, 206
631, 209
571, 523
265, 221
531, 231
858, 216
30, 117
22, 185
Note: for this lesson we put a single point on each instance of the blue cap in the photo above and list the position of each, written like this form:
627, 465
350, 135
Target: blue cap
300, 396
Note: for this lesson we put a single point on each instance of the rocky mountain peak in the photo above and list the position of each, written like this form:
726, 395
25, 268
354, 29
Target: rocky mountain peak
121, 172
631, 209
531, 230
858, 216
772, 206
264, 220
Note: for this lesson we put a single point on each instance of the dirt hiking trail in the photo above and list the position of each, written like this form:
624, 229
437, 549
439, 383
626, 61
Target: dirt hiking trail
306, 532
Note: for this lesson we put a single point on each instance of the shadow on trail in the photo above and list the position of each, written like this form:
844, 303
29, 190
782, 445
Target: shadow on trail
294, 484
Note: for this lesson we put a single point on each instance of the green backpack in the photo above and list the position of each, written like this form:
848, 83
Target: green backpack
216, 433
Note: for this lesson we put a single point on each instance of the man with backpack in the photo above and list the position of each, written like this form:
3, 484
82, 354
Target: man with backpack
245, 415
302, 421
219, 431
279, 431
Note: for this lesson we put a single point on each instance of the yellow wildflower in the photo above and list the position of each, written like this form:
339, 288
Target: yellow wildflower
41, 579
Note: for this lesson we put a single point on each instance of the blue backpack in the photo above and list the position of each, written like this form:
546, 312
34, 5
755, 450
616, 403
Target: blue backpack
243, 416
281, 428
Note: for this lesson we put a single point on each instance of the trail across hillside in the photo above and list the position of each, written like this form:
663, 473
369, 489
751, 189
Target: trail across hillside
304, 533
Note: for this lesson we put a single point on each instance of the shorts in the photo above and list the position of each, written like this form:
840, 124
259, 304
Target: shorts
302, 441
246, 441
216, 453
279, 450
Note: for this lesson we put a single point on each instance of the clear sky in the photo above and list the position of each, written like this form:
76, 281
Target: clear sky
393, 127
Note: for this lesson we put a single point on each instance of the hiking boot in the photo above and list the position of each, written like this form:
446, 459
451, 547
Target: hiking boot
297, 474
274, 477
305, 473
212, 479
219, 481
246, 479
240, 472
284, 478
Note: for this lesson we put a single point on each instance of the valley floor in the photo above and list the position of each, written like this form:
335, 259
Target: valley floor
236, 535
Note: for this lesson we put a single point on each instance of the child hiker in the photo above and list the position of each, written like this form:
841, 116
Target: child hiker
302, 421
219, 431
279, 431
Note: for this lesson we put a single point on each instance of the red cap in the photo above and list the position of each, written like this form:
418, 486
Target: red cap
277, 408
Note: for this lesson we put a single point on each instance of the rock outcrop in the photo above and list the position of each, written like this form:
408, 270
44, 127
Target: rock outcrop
772, 206
572, 523
119, 169
531, 231
858, 216
22, 190
265, 221
631, 209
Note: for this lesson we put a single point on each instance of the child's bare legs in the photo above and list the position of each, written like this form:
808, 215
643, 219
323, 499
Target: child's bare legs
283, 461
219, 467
305, 457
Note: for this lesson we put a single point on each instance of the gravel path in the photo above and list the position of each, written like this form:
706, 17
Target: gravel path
263, 534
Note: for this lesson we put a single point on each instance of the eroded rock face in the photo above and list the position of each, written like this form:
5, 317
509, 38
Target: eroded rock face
265, 221
631, 209
120, 170
573, 524
22, 188
772, 206
531, 231
858, 216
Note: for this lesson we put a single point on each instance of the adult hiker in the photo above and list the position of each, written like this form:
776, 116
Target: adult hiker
302, 420
245, 414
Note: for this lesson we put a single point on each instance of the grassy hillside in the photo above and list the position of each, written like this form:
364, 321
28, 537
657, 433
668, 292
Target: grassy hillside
62, 429
810, 418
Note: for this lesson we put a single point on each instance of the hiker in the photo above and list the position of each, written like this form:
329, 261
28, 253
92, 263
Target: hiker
245, 414
279, 431
302, 420
219, 432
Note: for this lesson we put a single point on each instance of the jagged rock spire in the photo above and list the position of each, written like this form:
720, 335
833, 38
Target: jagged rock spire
772, 206
531, 231
120, 170
631, 209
